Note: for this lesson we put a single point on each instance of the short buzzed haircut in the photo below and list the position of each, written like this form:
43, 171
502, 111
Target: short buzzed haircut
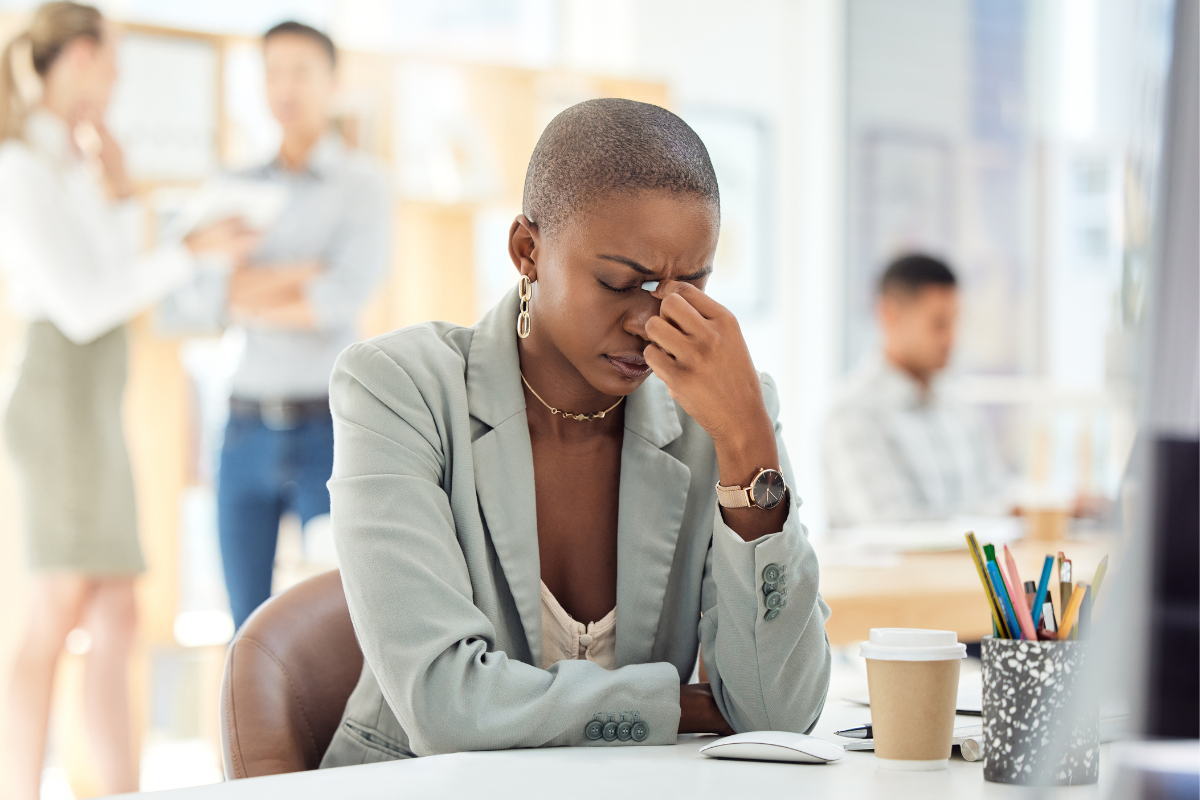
909, 274
601, 147
300, 29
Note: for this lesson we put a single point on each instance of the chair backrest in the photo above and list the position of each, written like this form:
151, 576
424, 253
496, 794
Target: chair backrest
289, 672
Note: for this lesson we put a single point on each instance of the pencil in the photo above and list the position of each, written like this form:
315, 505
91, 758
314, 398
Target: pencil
1096, 581
1072, 611
993, 602
1018, 598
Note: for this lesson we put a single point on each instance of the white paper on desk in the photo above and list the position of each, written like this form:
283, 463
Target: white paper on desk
969, 703
257, 203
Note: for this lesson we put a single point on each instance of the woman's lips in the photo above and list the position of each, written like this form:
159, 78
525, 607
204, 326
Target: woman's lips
629, 366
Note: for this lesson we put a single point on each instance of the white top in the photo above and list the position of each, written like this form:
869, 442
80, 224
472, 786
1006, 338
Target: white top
68, 253
894, 452
565, 638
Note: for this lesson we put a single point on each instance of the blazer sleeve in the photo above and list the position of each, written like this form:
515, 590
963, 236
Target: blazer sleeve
766, 674
432, 650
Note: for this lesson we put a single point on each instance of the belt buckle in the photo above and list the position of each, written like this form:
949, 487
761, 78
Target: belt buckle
278, 415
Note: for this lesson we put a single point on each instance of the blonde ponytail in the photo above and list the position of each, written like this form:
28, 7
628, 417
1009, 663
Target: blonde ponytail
28, 57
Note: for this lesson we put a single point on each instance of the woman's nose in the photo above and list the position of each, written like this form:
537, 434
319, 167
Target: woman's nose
643, 309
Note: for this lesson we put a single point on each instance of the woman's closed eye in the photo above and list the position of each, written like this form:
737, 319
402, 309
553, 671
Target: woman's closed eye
619, 289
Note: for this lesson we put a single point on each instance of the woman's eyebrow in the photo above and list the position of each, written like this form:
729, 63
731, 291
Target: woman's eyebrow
629, 262
636, 267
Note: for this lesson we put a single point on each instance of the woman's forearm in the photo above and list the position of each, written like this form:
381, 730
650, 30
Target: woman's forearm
699, 712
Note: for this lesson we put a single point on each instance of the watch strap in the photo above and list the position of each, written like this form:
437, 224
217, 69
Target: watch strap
733, 496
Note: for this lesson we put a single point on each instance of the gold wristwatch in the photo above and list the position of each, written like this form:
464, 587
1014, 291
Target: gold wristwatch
766, 491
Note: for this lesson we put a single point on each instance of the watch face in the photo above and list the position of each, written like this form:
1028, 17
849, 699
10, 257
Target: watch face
768, 489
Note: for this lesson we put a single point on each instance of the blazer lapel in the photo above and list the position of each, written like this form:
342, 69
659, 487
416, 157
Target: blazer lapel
654, 489
503, 461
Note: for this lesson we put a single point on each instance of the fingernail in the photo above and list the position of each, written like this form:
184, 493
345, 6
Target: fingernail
650, 286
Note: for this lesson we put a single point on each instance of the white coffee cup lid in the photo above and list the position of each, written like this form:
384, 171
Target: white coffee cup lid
912, 644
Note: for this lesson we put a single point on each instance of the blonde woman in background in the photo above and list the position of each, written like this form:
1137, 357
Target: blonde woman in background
67, 247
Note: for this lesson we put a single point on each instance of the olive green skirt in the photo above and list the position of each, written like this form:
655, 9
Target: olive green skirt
65, 435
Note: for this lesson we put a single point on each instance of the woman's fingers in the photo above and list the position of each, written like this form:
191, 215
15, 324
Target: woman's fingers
666, 336
676, 310
697, 299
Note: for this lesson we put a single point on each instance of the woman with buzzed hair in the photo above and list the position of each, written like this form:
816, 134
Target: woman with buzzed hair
543, 518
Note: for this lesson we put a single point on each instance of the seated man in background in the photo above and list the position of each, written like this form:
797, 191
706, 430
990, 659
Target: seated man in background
896, 445
298, 301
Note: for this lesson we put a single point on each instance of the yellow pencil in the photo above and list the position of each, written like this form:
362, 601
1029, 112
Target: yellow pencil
1071, 615
993, 603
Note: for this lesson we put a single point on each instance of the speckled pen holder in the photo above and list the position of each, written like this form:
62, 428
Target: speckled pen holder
1033, 729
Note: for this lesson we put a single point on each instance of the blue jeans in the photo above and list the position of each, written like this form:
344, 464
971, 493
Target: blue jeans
264, 473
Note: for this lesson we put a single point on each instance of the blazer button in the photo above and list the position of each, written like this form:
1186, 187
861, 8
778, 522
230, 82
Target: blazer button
640, 731
771, 573
594, 730
771, 614
610, 732
774, 600
625, 731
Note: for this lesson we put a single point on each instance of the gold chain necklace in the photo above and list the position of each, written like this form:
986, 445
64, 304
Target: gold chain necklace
568, 415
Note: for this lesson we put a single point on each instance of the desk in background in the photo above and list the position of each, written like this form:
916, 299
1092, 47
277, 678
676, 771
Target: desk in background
934, 590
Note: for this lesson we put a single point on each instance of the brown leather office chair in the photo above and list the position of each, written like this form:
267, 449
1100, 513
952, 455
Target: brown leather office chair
288, 674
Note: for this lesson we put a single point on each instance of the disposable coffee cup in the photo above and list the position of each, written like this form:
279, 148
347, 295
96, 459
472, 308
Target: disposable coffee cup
912, 676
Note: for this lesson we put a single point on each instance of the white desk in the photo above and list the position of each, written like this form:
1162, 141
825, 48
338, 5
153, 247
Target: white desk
635, 772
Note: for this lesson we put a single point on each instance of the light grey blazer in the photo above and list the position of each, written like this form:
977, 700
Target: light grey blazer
434, 517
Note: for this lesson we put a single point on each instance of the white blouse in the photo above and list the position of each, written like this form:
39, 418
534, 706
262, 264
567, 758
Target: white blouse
565, 638
68, 253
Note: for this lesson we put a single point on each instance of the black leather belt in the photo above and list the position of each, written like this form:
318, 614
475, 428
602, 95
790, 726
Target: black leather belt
280, 415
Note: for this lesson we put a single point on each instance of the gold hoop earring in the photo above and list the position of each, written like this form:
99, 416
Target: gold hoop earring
525, 290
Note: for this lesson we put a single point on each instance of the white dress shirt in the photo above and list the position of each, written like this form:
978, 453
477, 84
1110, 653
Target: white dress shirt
895, 451
69, 254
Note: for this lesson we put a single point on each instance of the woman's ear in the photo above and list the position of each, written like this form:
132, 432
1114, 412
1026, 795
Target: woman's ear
523, 242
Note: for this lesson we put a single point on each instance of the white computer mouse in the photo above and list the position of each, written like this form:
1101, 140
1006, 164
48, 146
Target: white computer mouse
774, 746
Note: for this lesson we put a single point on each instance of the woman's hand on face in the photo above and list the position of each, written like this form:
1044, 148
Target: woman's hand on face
698, 351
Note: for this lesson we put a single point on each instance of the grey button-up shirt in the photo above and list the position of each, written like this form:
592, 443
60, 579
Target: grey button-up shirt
893, 453
339, 214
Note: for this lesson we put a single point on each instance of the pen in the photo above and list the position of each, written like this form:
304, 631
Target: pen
1030, 595
1064, 581
1043, 594
1001, 590
1018, 598
1010, 618
861, 732
1050, 622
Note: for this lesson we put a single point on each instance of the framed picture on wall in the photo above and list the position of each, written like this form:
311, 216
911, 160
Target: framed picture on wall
165, 108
